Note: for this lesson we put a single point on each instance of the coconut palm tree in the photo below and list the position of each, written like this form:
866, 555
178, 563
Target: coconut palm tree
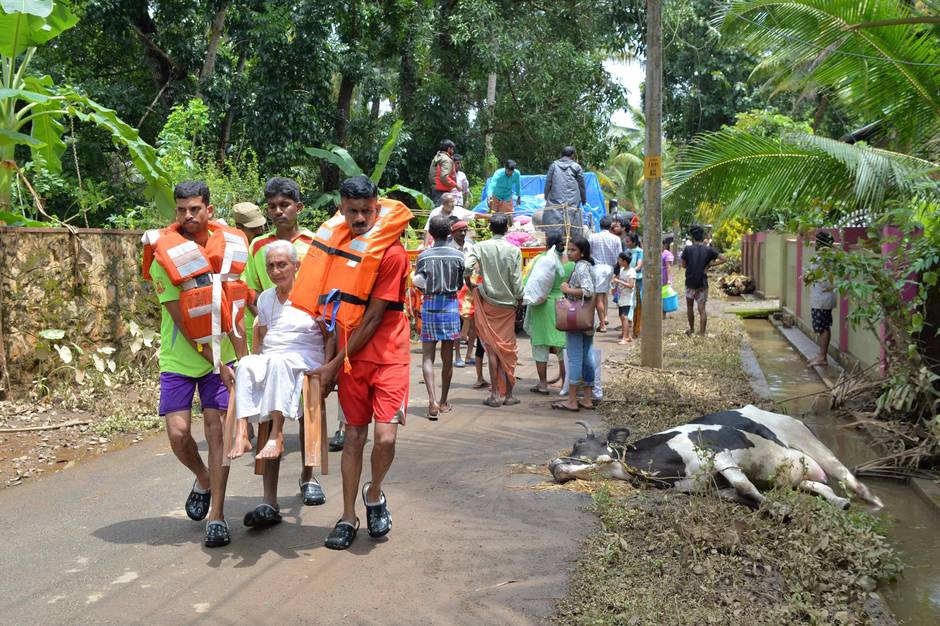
879, 57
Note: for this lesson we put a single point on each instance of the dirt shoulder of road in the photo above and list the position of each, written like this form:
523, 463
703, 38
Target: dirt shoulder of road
669, 558
43, 437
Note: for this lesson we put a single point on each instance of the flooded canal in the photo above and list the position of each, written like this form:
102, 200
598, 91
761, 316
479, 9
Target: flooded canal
913, 524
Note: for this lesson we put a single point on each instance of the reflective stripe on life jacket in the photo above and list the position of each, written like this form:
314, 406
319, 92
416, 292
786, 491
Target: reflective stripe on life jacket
342, 268
212, 294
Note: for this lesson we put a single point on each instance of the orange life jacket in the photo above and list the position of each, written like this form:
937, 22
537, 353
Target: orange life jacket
212, 293
339, 270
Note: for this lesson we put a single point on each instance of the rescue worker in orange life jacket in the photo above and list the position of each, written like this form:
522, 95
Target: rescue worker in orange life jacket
186, 365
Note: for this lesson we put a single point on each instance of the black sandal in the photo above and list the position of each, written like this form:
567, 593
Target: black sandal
378, 518
342, 535
217, 534
312, 493
197, 504
263, 516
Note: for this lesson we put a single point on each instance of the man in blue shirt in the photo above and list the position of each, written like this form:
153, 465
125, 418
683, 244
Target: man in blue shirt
506, 180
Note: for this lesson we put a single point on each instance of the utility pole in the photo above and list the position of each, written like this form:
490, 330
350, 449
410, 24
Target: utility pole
490, 107
651, 337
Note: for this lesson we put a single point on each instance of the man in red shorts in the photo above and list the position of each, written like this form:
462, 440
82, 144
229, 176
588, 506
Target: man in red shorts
375, 385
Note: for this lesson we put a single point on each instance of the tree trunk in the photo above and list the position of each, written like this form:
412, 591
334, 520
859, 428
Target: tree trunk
4, 374
162, 67
226, 129
820, 113
376, 103
490, 107
330, 173
215, 37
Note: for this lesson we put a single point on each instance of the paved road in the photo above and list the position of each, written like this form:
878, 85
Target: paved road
107, 542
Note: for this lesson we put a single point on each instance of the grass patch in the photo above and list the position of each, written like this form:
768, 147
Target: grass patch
670, 558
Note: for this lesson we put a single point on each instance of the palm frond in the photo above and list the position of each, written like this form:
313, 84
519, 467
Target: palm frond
889, 72
753, 176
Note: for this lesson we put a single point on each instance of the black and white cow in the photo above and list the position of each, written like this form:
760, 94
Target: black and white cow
735, 450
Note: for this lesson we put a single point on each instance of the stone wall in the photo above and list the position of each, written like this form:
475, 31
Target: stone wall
83, 281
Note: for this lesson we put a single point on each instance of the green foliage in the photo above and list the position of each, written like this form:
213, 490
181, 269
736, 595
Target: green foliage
886, 72
887, 279
36, 102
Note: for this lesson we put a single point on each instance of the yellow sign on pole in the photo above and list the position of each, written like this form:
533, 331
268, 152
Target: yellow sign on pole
653, 167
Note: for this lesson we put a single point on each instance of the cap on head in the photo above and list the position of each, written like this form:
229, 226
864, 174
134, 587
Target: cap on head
247, 214
458, 225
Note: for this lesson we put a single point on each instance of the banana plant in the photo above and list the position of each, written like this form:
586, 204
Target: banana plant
32, 107
340, 157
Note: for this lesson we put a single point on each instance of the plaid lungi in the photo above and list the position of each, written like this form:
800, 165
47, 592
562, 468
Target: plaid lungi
440, 318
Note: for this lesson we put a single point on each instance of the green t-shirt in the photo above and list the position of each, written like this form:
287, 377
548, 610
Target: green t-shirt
178, 356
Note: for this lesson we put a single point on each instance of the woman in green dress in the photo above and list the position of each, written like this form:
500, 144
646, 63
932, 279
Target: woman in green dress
542, 290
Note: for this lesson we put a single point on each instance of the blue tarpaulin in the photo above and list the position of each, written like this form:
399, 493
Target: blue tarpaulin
533, 199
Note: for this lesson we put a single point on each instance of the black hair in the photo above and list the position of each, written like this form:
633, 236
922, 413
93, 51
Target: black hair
555, 240
606, 223
458, 157
452, 219
280, 186
697, 233
584, 246
626, 256
192, 189
510, 164
618, 219
439, 227
668, 241
358, 187
446, 144
499, 223
635, 239
568, 151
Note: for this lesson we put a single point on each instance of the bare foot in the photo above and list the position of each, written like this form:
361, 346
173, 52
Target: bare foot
481, 384
624, 342
240, 447
272, 449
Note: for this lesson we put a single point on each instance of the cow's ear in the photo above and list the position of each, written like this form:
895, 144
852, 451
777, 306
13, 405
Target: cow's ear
618, 435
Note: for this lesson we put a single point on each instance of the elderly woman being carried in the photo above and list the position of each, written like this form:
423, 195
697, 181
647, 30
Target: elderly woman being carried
287, 344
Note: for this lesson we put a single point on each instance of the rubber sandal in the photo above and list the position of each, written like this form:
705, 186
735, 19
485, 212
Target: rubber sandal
197, 504
312, 493
342, 535
492, 403
217, 534
378, 519
511, 402
460, 363
337, 441
470, 361
560, 406
481, 385
263, 516
535, 389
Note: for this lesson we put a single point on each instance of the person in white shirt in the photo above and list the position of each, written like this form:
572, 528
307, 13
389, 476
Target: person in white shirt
287, 344
605, 247
625, 281
822, 299
448, 208
463, 185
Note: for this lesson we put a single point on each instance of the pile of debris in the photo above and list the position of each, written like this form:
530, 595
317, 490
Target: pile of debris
736, 284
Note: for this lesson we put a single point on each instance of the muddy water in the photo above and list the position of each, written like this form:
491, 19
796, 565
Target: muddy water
913, 524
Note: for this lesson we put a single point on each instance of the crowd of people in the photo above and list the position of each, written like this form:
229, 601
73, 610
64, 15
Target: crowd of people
289, 303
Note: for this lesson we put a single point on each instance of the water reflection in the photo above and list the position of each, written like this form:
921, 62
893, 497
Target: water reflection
913, 525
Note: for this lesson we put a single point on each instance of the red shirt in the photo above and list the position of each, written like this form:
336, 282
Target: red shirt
391, 342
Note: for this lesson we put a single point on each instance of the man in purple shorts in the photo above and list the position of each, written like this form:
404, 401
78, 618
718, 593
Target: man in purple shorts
186, 367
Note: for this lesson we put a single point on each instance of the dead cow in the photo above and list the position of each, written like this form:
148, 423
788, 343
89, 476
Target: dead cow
734, 450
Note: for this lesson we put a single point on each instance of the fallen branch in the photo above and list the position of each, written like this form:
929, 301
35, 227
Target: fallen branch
22, 429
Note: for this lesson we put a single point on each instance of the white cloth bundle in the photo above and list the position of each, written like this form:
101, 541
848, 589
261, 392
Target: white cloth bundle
542, 278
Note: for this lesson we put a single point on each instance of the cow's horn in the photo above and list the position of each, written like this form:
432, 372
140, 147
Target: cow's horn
590, 433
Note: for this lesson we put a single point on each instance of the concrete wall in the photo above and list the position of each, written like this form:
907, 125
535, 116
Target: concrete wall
85, 282
776, 261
